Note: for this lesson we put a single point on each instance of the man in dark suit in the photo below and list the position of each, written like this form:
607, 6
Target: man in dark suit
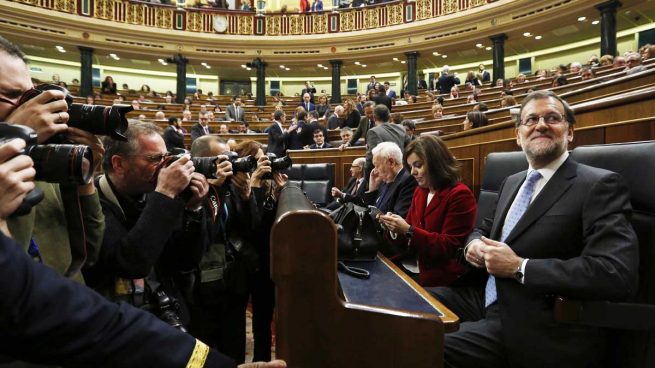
390, 185
173, 137
365, 123
277, 135
446, 81
306, 103
483, 75
384, 131
382, 98
371, 84
201, 128
319, 140
355, 187
559, 229
309, 88
235, 111
390, 92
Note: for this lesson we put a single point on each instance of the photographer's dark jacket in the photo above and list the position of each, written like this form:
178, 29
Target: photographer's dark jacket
155, 232
229, 222
45, 318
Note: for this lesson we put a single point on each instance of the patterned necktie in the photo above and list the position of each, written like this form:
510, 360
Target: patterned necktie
355, 187
515, 213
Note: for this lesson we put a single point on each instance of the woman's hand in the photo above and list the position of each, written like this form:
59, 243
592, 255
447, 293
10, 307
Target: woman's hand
394, 223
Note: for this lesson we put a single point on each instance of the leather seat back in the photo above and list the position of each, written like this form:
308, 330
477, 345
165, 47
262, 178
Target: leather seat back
316, 180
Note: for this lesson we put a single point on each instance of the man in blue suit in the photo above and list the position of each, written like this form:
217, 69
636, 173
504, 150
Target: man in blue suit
390, 92
307, 103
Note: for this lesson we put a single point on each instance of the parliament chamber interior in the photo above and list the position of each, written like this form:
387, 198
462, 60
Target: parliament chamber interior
327, 106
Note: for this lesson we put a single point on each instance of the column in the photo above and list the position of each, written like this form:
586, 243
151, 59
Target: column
499, 56
412, 82
336, 81
608, 27
180, 62
260, 93
86, 71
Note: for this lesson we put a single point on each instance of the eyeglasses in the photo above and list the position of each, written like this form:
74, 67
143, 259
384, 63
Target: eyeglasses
153, 159
18, 100
550, 119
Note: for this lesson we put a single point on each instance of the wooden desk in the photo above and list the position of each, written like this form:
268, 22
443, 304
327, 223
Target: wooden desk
317, 328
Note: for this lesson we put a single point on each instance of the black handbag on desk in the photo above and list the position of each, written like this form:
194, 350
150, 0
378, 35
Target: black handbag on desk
358, 233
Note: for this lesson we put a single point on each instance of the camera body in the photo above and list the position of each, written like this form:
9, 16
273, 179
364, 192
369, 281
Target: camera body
277, 164
54, 163
203, 165
96, 119
246, 164
167, 309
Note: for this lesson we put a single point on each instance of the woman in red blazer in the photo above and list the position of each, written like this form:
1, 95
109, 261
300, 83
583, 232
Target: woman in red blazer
441, 216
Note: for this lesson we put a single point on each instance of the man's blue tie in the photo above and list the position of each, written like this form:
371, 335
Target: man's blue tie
515, 213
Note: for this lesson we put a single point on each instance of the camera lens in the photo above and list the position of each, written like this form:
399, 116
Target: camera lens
246, 164
62, 163
100, 120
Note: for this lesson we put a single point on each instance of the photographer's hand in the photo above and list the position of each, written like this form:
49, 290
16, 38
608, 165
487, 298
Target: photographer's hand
242, 182
263, 167
16, 175
45, 113
79, 136
199, 187
173, 179
223, 170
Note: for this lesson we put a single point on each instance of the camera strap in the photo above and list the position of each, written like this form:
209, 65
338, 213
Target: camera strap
76, 233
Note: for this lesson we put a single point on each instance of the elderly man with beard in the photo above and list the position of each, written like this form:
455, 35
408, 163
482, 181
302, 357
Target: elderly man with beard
559, 228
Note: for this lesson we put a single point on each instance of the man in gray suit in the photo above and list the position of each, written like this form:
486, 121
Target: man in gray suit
234, 111
383, 131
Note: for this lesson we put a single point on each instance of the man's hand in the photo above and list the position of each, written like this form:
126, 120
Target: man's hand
280, 179
336, 193
199, 187
499, 258
343, 146
271, 364
223, 170
263, 167
45, 113
293, 127
394, 223
375, 180
241, 182
79, 136
474, 254
16, 175
173, 179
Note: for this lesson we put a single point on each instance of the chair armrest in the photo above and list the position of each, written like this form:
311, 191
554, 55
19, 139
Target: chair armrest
625, 316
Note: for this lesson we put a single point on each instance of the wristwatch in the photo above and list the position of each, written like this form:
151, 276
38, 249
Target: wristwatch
518, 275
410, 232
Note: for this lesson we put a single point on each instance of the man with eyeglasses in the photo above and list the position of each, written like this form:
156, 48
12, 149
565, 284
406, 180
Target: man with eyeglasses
154, 218
201, 128
51, 233
355, 187
559, 229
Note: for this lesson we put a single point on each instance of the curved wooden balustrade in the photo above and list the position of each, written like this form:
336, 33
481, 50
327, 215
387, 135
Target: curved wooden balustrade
250, 23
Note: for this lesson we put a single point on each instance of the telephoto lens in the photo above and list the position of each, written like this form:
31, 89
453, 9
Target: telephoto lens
246, 164
62, 163
277, 164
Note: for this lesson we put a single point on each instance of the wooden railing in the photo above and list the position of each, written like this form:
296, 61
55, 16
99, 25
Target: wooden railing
249, 23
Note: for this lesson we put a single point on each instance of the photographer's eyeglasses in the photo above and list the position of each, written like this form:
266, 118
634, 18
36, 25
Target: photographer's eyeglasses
153, 159
550, 119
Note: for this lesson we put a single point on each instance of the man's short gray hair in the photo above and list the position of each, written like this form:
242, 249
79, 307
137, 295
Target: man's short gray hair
135, 129
389, 150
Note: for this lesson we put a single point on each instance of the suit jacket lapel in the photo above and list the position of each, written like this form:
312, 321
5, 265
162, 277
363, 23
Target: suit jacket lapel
392, 187
549, 195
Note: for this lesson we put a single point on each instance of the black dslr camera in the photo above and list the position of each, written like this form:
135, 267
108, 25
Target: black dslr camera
245, 164
203, 165
96, 119
277, 164
54, 163
167, 309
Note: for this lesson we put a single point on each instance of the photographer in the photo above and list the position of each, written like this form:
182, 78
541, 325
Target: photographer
266, 186
70, 324
220, 293
48, 232
149, 224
